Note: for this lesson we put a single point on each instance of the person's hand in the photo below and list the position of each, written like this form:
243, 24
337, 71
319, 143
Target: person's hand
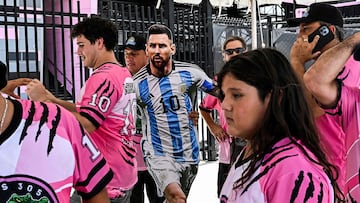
194, 116
301, 51
12, 84
218, 132
36, 91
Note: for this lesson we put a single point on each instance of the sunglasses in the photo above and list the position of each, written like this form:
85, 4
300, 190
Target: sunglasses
236, 50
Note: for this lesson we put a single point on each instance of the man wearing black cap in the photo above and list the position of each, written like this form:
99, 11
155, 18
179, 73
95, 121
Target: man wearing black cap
135, 59
333, 134
134, 53
314, 17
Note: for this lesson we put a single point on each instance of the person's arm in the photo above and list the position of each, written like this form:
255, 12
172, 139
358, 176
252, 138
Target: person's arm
37, 92
12, 84
194, 116
101, 197
88, 125
320, 79
216, 130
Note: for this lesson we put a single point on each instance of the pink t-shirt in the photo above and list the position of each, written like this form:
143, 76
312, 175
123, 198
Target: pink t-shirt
348, 111
44, 153
210, 103
285, 175
333, 139
351, 73
139, 154
108, 101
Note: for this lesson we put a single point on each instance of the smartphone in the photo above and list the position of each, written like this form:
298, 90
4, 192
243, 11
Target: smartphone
325, 37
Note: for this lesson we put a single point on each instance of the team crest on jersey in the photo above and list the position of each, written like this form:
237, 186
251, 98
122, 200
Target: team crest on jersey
182, 88
129, 88
25, 189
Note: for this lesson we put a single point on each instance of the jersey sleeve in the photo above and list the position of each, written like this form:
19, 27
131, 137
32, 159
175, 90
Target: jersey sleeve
99, 97
208, 103
204, 83
92, 173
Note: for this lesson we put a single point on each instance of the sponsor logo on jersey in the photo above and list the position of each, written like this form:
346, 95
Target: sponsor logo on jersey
26, 189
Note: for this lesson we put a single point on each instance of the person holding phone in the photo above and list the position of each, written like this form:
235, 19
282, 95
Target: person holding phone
321, 28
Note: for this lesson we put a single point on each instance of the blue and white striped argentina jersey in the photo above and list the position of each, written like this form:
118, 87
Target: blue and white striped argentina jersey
166, 103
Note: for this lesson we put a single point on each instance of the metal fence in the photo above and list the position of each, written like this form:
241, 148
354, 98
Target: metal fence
191, 26
35, 42
35, 39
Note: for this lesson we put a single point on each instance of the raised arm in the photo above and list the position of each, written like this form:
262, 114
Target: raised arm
12, 84
320, 79
37, 92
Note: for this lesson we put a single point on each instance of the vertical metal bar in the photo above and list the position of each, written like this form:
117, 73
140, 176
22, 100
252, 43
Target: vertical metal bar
183, 46
45, 69
149, 15
36, 39
155, 15
6, 37
270, 29
136, 18
208, 38
177, 34
81, 69
16, 44
130, 19
63, 50
72, 54
26, 41
169, 11
143, 26
54, 62
197, 31
190, 33
123, 21
161, 12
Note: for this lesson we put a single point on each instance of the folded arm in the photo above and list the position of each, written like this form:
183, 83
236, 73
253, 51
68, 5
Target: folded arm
320, 79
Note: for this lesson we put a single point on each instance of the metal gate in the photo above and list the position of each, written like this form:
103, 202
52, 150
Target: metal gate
35, 42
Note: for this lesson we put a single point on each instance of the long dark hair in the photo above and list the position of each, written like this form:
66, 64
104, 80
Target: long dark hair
288, 113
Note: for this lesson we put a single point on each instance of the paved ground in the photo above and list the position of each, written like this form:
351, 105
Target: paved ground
203, 189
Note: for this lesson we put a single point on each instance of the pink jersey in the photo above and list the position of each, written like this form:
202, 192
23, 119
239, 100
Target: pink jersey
44, 153
108, 101
332, 139
348, 111
351, 73
285, 175
139, 155
210, 103
332, 136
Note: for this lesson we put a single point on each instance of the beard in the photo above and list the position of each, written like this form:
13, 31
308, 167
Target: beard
159, 63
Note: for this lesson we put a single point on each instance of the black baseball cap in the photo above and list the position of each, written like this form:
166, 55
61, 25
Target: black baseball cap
3, 78
319, 12
135, 42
